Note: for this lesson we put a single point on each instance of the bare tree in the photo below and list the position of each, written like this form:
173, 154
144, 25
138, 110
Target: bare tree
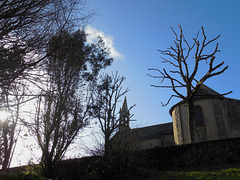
25, 30
64, 109
124, 152
9, 127
108, 94
181, 75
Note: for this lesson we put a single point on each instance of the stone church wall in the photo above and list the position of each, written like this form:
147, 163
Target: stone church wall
231, 109
164, 141
221, 119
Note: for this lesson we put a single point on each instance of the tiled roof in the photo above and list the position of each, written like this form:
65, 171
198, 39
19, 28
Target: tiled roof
153, 132
204, 92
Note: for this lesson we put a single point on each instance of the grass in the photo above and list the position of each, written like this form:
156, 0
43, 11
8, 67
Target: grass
219, 172
224, 174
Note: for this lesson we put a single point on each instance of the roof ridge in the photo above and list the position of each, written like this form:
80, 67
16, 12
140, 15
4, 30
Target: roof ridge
207, 90
152, 125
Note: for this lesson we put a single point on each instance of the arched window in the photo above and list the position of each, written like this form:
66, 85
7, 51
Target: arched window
198, 117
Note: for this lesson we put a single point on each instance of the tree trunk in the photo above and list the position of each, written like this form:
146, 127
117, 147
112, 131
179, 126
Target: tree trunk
48, 168
191, 131
47, 164
6, 161
107, 145
7, 146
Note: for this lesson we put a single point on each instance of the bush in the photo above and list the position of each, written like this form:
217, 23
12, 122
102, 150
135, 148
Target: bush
20, 176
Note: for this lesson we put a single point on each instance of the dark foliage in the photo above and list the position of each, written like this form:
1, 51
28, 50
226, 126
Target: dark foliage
196, 155
71, 71
25, 29
154, 163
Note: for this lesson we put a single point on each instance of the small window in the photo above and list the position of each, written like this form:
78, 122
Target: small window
198, 117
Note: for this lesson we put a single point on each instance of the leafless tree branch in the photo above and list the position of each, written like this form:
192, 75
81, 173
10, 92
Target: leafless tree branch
181, 76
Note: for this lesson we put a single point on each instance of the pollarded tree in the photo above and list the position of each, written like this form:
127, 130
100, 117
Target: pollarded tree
108, 94
181, 75
64, 109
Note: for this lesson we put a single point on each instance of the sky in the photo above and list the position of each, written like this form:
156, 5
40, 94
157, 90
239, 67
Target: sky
135, 30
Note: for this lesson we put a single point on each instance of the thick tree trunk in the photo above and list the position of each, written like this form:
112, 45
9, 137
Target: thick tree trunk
107, 145
191, 131
48, 168
47, 164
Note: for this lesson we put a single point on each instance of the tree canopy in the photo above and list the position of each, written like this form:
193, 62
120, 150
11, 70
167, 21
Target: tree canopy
63, 110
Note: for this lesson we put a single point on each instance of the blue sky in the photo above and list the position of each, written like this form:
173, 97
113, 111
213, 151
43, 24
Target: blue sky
137, 28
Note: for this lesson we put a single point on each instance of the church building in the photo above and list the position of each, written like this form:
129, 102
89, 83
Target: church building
216, 117
147, 137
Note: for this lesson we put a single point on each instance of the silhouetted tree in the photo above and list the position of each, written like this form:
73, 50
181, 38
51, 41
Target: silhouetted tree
26, 28
181, 75
64, 109
108, 94
9, 125
123, 156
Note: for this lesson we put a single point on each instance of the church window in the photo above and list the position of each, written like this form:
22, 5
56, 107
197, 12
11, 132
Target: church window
198, 117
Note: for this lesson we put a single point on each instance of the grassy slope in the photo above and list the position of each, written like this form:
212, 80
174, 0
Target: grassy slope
231, 173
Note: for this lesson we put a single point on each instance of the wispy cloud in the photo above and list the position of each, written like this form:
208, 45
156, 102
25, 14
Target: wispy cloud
93, 34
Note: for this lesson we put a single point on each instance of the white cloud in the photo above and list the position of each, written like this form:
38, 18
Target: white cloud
93, 34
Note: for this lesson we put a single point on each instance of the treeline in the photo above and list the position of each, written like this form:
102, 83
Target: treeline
47, 65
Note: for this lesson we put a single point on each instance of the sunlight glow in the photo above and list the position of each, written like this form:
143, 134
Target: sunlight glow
4, 115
